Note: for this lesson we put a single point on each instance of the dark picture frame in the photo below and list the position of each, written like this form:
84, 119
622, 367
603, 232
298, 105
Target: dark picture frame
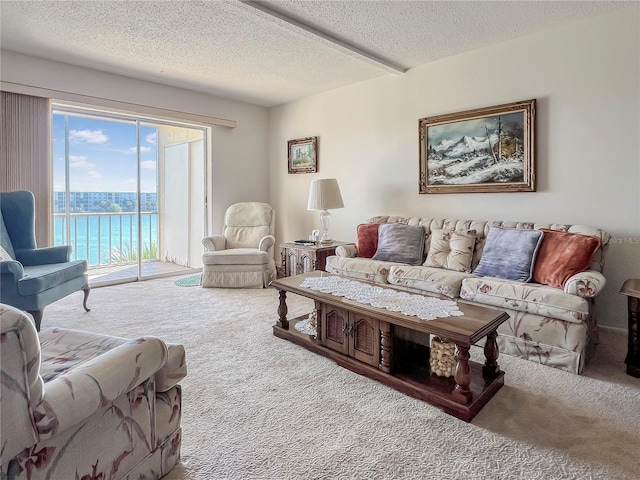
303, 155
488, 150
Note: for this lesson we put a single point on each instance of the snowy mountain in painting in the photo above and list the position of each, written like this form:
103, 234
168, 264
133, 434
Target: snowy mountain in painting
466, 144
475, 159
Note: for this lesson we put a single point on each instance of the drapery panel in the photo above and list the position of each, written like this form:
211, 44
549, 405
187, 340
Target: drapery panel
24, 154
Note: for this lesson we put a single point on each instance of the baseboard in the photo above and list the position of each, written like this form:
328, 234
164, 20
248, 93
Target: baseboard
618, 330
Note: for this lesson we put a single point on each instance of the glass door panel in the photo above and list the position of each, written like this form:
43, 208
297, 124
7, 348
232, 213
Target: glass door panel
129, 195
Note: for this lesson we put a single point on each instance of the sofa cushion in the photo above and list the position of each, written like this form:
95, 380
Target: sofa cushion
526, 297
451, 249
428, 279
359, 268
38, 278
236, 256
367, 241
509, 253
562, 255
400, 243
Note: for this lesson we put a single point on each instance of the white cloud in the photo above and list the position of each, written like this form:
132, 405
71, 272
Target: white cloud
151, 138
148, 165
94, 174
89, 136
80, 161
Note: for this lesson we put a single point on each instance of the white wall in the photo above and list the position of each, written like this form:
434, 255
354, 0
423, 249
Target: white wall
235, 151
586, 80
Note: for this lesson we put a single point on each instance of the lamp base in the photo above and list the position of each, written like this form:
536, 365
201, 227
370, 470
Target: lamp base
325, 239
325, 220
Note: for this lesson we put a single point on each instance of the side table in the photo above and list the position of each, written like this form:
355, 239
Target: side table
631, 288
298, 258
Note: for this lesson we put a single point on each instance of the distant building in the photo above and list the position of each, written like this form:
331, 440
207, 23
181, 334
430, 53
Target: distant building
95, 201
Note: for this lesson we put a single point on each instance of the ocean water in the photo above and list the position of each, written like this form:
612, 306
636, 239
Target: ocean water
93, 237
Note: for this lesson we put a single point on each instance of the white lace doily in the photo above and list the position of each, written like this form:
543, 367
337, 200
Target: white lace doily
425, 308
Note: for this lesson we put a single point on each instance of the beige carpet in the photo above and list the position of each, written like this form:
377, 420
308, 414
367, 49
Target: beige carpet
258, 407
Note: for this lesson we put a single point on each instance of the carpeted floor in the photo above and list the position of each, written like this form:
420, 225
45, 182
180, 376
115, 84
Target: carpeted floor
258, 407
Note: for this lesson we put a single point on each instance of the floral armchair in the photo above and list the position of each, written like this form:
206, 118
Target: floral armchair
78, 405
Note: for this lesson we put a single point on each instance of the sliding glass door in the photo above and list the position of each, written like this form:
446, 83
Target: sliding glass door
123, 199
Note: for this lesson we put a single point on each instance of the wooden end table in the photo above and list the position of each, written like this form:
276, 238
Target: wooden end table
631, 288
362, 338
299, 258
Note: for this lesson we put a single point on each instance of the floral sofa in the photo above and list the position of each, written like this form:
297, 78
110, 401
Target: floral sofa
78, 405
550, 325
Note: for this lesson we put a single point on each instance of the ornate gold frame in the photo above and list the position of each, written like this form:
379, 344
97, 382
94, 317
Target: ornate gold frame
527, 108
309, 146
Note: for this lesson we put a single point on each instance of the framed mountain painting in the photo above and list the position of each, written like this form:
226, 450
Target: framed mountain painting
488, 149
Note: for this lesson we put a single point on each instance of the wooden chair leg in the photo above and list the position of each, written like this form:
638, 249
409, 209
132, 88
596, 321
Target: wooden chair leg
86, 291
37, 317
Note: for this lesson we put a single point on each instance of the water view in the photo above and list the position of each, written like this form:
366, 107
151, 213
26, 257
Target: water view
106, 238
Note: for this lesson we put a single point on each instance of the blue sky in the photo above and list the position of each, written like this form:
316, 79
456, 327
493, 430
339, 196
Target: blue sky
102, 155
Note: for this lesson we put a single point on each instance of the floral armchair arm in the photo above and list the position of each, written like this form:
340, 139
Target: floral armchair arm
266, 243
214, 243
346, 251
82, 390
21, 385
585, 284
42, 256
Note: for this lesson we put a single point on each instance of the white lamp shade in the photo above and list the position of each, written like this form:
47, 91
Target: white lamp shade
324, 194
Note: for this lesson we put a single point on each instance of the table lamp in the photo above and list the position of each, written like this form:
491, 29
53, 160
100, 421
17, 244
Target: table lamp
324, 194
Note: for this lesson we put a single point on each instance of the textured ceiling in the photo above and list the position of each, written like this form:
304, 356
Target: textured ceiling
271, 52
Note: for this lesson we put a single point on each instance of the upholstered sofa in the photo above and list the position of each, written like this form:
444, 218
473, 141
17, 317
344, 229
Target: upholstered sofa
550, 325
78, 405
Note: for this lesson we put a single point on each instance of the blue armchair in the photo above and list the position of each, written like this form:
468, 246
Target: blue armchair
31, 278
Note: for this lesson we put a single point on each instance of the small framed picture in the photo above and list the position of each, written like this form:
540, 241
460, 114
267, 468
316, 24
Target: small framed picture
314, 235
303, 155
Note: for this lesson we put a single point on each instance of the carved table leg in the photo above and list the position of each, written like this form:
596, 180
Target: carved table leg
633, 351
491, 367
386, 353
282, 310
86, 291
462, 393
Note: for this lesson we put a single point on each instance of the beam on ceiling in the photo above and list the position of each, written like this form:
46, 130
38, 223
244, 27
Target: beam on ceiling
342, 45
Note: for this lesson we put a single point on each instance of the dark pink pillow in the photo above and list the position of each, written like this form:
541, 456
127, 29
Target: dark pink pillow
367, 242
562, 255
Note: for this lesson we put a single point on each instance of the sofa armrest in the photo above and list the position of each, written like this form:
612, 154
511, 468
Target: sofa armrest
21, 385
174, 370
585, 284
81, 391
12, 267
346, 251
45, 255
214, 243
266, 243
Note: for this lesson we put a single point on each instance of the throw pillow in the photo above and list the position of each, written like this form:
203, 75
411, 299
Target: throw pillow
4, 255
509, 253
562, 255
400, 243
451, 250
367, 241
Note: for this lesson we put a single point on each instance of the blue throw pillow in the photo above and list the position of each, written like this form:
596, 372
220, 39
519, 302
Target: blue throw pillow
509, 253
400, 243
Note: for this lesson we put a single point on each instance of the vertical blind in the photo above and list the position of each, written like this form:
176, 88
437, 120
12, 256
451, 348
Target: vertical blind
24, 154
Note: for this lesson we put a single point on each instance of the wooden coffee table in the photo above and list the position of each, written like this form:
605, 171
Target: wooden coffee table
367, 340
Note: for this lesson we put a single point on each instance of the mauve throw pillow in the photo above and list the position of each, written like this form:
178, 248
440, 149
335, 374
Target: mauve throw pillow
367, 241
400, 243
509, 253
562, 255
